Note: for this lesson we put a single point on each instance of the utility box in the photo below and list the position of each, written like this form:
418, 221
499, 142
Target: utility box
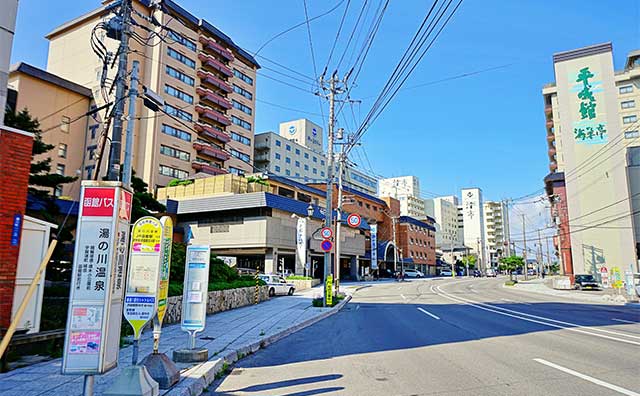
33, 247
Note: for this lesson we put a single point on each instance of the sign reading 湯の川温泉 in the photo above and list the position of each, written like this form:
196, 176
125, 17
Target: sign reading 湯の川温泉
588, 125
97, 279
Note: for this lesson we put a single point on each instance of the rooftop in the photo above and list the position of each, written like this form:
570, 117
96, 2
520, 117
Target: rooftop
43, 75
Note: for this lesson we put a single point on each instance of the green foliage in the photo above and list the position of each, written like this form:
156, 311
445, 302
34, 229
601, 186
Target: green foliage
213, 286
178, 182
510, 282
257, 180
470, 260
554, 268
511, 264
144, 204
299, 277
317, 302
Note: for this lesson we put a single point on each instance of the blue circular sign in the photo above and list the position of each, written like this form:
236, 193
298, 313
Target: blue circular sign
326, 246
292, 129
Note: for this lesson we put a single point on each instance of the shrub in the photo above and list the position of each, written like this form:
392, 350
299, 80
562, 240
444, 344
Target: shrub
299, 277
317, 302
510, 282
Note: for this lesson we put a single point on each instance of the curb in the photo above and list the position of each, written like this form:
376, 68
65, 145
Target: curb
196, 379
606, 298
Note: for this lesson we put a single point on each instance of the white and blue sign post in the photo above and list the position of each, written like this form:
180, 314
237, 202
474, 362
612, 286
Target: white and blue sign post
374, 246
194, 295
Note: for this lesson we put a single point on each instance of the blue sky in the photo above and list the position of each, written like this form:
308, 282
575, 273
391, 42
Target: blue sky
486, 130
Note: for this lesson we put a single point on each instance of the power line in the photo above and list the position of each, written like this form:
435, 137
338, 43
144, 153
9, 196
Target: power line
355, 26
335, 41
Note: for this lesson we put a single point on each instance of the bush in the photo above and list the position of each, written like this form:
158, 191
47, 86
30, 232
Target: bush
510, 283
317, 302
213, 286
299, 277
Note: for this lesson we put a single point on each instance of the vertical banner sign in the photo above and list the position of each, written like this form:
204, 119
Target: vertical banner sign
196, 281
628, 281
616, 278
374, 246
141, 300
328, 292
165, 264
92, 339
301, 244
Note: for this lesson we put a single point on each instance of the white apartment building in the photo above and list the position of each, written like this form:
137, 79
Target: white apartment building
496, 230
285, 154
7, 27
405, 189
445, 212
473, 218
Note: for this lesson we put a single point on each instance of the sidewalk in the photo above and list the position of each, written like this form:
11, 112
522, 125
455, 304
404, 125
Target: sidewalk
227, 335
539, 286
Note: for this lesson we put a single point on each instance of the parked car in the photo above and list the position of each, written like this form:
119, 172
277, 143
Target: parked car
445, 273
477, 274
386, 273
278, 285
491, 273
586, 281
412, 273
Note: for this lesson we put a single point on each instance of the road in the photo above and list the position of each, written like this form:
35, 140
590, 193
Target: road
451, 337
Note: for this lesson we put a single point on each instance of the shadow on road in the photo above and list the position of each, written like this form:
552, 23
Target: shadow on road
288, 383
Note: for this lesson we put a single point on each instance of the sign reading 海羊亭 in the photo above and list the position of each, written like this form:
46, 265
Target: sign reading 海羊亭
374, 246
301, 244
589, 126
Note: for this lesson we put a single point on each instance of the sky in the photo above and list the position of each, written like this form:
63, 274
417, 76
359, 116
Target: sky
485, 130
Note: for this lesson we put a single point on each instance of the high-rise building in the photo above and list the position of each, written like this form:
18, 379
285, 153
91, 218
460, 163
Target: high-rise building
297, 153
207, 81
496, 230
593, 136
473, 218
7, 27
406, 189
445, 211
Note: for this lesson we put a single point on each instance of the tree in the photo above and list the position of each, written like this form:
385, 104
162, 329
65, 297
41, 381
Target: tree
143, 202
470, 261
511, 264
41, 181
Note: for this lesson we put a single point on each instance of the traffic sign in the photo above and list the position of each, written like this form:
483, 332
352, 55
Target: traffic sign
354, 220
326, 245
326, 233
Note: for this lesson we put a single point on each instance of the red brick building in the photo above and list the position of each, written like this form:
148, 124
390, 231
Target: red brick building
557, 193
15, 160
417, 243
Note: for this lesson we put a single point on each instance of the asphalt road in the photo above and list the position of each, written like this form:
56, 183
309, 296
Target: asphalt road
451, 337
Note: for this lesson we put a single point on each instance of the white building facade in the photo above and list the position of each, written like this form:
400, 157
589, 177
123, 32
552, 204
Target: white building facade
7, 28
473, 218
445, 212
405, 189
496, 230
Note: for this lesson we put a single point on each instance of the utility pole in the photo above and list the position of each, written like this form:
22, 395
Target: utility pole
395, 245
128, 148
539, 253
524, 251
506, 226
479, 260
548, 257
453, 261
116, 136
341, 160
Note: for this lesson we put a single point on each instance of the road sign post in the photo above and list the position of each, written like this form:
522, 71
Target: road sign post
328, 290
354, 220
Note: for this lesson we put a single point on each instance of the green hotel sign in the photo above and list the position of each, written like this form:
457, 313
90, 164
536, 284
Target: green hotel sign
588, 129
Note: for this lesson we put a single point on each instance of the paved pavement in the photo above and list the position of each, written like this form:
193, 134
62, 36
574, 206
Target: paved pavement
598, 296
225, 333
451, 337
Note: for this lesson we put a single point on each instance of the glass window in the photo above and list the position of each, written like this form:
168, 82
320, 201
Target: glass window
297, 174
629, 119
634, 156
278, 156
179, 38
239, 138
180, 76
175, 153
236, 171
60, 169
242, 91
322, 173
628, 104
242, 156
287, 160
288, 147
626, 89
65, 122
632, 134
242, 107
181, 58
315, 171
297, 151
62, 150
287, 172
176, 112
278, 143
306, 155
306, 167
241, 122
176, 93
243, 76
277, 168
297, 164
58, 191
322, 162
173, 172
180, 134
315, 159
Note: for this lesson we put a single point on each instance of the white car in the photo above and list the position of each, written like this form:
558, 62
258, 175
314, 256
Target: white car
411, 273
278, 285
445, 273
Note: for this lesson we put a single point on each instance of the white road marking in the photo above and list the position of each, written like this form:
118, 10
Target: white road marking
494, 309
403, 297
428, 313
624, 321
357, 307
588, 378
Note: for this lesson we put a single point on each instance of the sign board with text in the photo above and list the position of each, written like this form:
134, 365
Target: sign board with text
92, 339
374, 246
194, 295
165, 266
328, 290
301, 243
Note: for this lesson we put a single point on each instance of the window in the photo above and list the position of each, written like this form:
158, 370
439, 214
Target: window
239, 138
287, 172
626, 89
322, 162
242, 156
277, 168
288, 147
628, 104
306, 155
241, 107
58, 191
179, 38
306, 167
278, 156
241, 122
315, 171
176, 93
62, 150
297, 151
297, 164
176, 112
180, 76
175, 153
181, 58
359, 202
65, 122
633, 156
243, 76
242, 91
629, 119
367, 206
278, 143
297, 174
173, 172
315, 159
632, 134
236, 171
60, 169
322, 173
180, 134
287, 160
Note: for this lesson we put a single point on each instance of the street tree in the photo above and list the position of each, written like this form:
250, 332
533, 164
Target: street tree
510, 264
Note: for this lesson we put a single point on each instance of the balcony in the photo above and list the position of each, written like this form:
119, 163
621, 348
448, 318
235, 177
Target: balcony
211, 132
552, 151
211, 151
261, 157
548, 110
208, 168
553, 166
208, 112
210, 78
211, 44
551, 137
549, 124
214, 63
213, 97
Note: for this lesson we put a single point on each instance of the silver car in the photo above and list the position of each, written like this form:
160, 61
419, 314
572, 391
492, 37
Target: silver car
278, 285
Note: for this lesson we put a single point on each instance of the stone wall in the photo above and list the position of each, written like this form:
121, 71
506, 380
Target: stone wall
304, 284
218, 301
